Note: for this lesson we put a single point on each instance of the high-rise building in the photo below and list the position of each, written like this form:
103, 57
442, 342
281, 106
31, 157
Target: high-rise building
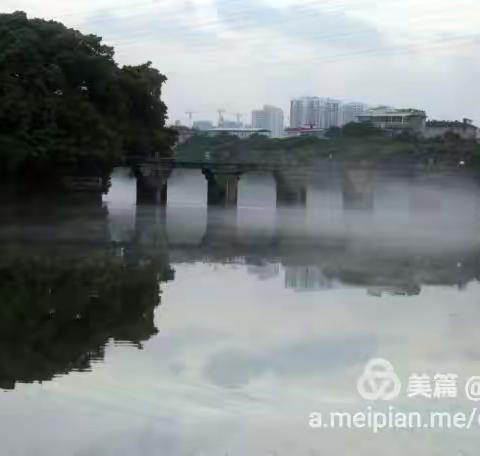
315, 112
351, 111
258, 118
270, 118
297, 110
331, 110
305, 111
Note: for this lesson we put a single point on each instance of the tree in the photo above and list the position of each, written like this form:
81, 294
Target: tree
360, 130
67, 108
333, 132
146, 112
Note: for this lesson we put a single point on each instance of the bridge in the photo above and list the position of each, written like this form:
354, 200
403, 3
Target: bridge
291, 179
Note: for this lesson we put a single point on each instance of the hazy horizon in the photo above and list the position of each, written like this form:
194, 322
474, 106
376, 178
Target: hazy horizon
239, 55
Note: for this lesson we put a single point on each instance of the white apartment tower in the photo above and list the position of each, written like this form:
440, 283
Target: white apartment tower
258, 118
270, 118
351, 111
305, 111
315, 112
331, 110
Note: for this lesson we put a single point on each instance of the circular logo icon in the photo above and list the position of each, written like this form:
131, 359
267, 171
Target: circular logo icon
379, 381
472, 389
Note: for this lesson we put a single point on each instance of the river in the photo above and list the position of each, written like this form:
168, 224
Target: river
132, 330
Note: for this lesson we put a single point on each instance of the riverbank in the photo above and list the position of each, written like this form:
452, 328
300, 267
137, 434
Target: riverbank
408, 151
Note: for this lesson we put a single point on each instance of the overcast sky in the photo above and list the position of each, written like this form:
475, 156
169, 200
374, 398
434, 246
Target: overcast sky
241, 54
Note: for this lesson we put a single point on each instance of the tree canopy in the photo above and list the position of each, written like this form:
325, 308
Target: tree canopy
355, 130
353, 142
66, 107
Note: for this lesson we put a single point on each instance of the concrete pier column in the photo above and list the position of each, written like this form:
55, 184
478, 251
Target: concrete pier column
222, 186
291, 188
152, 183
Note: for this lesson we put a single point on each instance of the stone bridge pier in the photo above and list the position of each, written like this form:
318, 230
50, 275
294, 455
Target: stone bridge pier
222, 185
291, 188
222, 182
222, 199
152, 183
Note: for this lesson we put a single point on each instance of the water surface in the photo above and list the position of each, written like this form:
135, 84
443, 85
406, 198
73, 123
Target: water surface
136, 330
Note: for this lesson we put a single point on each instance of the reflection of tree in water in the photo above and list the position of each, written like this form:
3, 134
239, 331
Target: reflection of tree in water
398, 271
58, 310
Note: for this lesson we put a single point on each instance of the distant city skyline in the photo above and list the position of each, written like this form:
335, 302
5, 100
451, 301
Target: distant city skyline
309, 111
313, 116
238, 55
328, 112
191, 117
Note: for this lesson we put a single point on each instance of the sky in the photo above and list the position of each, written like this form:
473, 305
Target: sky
238, 55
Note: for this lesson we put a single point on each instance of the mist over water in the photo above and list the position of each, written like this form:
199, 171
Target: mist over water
427, 212
193, 330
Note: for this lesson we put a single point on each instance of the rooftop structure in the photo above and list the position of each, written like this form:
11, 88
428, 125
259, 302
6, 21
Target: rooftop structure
396, 120
239, 132
439, 128
305, 131
203, 124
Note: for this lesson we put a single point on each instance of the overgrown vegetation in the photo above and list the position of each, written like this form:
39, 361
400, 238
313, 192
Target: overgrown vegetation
66, 107
353, 142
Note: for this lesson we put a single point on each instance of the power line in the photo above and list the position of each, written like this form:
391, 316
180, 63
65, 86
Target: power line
209, 49
441, 44
168, 14
199, 29
325, 38
240, 18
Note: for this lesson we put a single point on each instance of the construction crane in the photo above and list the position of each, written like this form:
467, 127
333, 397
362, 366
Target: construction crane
221, 119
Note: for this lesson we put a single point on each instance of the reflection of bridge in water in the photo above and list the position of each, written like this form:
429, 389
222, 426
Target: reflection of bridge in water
351, 256
71, 265
366, 240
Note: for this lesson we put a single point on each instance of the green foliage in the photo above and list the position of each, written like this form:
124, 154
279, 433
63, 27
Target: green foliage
257, 148
360, 130
333, 132
358, 144
67, 108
